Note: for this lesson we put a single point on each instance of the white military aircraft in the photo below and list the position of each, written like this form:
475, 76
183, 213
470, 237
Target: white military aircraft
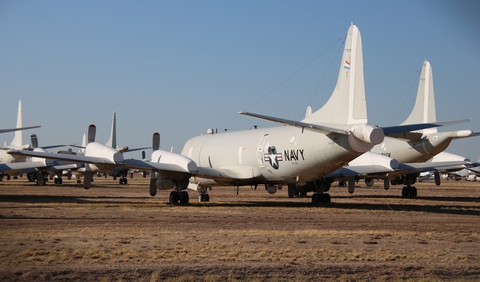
112, 143
401, 160
300, 154
17, 142
168, 170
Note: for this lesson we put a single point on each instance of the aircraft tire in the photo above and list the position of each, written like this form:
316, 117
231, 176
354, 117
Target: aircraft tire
125, 181
413, 192
174, 197
327, 199
206, 198
184, 198
405, 192
291, 190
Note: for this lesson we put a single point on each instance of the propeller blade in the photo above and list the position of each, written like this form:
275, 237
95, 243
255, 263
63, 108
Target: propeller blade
156, 141
92, 131
34, 140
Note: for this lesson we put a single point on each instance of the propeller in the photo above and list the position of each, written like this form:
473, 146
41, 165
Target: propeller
92, 130
34, 141
156, 141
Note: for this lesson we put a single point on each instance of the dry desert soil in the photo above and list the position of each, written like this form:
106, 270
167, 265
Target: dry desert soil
118, 232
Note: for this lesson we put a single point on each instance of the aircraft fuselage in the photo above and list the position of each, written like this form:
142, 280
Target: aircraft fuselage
280, 155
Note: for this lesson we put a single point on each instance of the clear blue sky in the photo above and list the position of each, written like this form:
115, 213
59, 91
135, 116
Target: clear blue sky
180, 67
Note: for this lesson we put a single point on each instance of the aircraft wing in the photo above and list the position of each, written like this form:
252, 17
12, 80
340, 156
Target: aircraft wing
143, 165
21, 166
129, 163
432, 166
362, 170
393, 131
402, 168
322, 128
18, 128
25, 167
403, 131
64, 157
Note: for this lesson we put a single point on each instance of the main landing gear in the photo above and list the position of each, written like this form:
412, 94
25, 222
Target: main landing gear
408, 191
178, 197
203, 197
319, 186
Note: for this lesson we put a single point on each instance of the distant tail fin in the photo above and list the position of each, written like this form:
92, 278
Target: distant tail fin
112, 142
18, 139
84, 144
347, 104
424, 109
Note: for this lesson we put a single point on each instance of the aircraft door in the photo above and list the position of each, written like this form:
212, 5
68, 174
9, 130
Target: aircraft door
261, 151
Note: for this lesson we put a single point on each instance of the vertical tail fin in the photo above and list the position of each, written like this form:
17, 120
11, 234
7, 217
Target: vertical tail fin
18, 139
84, 144
112, 141
347, 104
424, 109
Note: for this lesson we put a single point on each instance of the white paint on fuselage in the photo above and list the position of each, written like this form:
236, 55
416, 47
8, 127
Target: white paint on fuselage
272, 154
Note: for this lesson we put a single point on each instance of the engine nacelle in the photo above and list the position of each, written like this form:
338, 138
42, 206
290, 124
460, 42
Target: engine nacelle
376, 161
165, 184
45, 162
166, 157
99, 150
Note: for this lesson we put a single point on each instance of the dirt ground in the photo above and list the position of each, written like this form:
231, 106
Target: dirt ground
117, 232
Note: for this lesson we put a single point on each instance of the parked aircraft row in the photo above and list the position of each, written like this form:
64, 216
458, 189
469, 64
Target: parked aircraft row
333, 143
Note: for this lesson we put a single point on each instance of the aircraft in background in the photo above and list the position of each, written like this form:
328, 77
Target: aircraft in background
17, 142
37, 169
412, 154
168, 170
421, 145
300, 154
112, 143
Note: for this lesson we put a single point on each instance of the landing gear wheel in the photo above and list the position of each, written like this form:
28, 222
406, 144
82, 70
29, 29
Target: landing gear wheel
174, 197
413, 192
55, 181
321, 198
184, 198
292, 191
203, 198
79, 181
60, 180
409, 192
